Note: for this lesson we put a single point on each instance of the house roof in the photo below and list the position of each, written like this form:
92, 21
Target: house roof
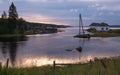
99, 24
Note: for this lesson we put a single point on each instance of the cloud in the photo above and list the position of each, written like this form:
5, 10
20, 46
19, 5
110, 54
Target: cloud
37, 0
34, 17
69, 0
106, 6
100, 0
109, 8
1, 1
112, 13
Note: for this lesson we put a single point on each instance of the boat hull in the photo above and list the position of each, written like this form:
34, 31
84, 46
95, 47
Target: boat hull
83, 36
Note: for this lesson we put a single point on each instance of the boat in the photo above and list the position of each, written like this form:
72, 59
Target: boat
81, 30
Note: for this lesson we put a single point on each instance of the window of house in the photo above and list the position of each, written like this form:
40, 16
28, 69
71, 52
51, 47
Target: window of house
106, 28
102, 28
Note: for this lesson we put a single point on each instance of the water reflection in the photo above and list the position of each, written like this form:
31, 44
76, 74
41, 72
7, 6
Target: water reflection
13, 39
9, 48
81, 45
3, 49
12, 52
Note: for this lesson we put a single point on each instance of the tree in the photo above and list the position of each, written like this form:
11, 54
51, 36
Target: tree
12, 24
22, 25
3, 26
4, 15
13, 12
12, 20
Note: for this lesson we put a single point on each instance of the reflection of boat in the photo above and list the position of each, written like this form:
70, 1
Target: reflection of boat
83, 36
79, 49
81, 30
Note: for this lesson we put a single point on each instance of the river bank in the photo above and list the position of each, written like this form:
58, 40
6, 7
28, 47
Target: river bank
31, 32
13, 37
111, 33
105, 66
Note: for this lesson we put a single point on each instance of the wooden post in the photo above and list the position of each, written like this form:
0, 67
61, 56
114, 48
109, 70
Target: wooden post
7, 63
90, 62
0, 64
53, 64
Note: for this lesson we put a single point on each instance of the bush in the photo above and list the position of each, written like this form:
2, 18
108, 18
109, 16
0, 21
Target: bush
92, 30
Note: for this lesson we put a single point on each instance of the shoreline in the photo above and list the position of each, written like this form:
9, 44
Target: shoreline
111, 33
12, 35
27, 34
13, 38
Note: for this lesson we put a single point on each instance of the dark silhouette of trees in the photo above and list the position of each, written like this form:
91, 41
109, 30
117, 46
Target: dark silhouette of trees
3, 26
4, 15
21, 25
13, 12
12, 19
13, 24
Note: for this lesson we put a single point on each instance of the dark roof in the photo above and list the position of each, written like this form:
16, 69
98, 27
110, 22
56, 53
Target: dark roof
99, 24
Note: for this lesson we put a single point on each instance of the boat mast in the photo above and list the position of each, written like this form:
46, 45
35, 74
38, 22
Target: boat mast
81, 23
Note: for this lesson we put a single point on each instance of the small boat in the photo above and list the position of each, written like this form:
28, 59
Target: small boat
81, 30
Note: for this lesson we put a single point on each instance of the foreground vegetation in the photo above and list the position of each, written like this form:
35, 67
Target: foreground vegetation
97, 67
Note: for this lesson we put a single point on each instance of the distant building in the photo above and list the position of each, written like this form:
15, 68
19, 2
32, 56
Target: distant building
100, 26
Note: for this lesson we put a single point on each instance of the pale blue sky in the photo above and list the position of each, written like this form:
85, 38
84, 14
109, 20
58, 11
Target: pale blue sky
66, 11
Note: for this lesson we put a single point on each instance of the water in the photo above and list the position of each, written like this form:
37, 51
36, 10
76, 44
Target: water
38, 50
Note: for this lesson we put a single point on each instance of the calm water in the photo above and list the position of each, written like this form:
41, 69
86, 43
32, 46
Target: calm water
39, 50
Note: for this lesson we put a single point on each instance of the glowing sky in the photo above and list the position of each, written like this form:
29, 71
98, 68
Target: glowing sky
66, 11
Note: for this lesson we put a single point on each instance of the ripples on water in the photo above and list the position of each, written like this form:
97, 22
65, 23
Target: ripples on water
38, 50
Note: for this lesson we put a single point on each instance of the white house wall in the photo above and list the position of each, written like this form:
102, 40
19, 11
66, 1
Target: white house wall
99, 28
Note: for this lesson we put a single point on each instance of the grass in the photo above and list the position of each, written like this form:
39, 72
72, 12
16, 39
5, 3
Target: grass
12, 38
105, 34
98, 67
11, 35
111, 33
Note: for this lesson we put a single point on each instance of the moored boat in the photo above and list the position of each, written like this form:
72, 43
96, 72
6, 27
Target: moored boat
81, 30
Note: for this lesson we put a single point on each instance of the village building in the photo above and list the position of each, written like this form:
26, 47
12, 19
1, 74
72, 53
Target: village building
100, 26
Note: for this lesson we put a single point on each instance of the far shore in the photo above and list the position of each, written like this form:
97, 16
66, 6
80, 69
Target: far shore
30, 33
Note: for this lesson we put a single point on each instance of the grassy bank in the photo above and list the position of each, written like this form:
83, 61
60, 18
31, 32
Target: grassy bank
12, 38
12, 35
97, 67
111, 33
105, 34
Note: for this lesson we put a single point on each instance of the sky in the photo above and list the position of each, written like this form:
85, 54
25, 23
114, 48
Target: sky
66, 12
